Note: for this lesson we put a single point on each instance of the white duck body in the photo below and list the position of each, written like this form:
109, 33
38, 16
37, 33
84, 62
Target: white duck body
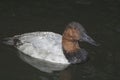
41, 45
42, 50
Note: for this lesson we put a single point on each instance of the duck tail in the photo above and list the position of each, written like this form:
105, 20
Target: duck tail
8, 41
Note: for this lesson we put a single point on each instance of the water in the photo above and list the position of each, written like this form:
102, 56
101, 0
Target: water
100, 19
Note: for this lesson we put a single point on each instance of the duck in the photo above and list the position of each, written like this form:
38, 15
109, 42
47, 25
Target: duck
53, 47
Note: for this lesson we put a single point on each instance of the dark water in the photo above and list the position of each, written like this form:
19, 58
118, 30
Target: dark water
100, 18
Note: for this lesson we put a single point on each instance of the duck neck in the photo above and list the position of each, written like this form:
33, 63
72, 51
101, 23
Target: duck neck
70, 46
73, 52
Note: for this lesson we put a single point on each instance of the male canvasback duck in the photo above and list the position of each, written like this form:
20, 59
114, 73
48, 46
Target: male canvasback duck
53, 47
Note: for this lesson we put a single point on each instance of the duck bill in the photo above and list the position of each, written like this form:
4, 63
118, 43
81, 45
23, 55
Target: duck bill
88, 39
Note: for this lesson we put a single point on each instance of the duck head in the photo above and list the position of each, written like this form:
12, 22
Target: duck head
74, 33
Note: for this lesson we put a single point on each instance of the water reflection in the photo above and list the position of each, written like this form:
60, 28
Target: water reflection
45, 70
42, 65
61, 75
100, 67
65, 75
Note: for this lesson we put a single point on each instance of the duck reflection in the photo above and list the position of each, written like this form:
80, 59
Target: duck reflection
48, 71
42, 65
65, 75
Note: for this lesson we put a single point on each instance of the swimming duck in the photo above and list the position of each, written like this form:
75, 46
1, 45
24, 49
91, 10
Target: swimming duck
53, 47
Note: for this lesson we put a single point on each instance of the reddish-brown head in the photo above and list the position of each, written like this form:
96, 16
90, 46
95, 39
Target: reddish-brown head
74, 33
71, 33
70, 39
